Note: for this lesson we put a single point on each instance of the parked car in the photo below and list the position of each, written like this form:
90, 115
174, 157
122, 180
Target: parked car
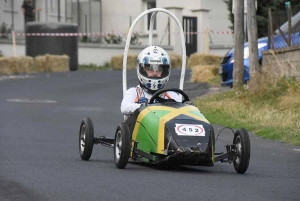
226, 69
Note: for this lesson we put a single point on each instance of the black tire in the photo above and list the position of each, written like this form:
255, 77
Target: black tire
213, 138
122, 145
86, 139
241, 160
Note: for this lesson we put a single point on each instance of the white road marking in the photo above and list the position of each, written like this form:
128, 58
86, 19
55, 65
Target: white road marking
9, 77
26, 100
296, 150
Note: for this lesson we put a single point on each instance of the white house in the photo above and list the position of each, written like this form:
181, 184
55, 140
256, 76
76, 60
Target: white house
207, 18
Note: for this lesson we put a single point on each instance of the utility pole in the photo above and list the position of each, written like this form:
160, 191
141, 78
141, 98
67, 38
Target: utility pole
12, 15
252, 36
78, 15
58, 10
238, 68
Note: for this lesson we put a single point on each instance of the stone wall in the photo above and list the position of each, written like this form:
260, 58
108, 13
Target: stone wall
282, 62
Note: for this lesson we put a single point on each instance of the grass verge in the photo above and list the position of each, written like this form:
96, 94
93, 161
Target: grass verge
273, 112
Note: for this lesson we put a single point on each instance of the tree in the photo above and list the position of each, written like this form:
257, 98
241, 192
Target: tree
238, 69
252, 36
262, 12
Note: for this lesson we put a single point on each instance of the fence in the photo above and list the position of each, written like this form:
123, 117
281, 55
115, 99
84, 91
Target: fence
283, 28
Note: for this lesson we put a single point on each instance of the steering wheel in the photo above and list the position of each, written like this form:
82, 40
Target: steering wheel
161, 100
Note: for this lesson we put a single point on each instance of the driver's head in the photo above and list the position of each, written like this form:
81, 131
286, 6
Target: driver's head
153, 68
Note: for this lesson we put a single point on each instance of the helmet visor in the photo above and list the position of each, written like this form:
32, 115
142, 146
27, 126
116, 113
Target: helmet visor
154, 70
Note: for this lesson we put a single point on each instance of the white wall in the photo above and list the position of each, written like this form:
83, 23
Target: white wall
218, 20
87, 54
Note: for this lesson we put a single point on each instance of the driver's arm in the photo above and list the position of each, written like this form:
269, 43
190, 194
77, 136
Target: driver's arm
128, 105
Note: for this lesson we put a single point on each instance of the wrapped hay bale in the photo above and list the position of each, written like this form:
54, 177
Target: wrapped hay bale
202, 73
7, 66
204, 59
116, 62
24, 64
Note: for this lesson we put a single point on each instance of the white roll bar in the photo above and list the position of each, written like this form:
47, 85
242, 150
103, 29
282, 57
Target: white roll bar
154, 11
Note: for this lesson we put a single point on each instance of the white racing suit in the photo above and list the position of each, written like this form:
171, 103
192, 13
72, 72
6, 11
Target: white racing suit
134, 97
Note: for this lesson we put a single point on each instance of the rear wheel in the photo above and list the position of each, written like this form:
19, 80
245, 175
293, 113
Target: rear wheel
241, 160
122, 146
86, 139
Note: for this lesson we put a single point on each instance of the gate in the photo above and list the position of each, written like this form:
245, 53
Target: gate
190, 29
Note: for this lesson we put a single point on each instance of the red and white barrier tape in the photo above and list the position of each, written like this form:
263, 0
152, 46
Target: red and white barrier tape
111, 33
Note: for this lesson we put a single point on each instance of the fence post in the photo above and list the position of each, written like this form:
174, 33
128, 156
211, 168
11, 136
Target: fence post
270, 41
289, 11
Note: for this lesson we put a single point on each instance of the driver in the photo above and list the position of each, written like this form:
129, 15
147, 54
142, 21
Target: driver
153, 71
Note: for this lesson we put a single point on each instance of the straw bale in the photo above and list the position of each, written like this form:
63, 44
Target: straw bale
176, 60
7, 66
58, 63
131, 62
204, 59
24, 64
52, 63
41, 64
203, 73
116, 62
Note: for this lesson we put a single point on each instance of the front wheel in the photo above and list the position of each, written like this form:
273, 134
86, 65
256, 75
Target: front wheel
241, 160
86, 139
122, 146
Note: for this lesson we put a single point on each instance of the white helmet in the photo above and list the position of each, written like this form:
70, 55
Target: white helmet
153, 58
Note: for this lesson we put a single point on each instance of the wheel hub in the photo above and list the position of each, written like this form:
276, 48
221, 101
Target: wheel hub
238, 149
118, 145
82, 138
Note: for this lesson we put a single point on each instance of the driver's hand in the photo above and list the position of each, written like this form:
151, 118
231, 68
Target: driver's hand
143, 101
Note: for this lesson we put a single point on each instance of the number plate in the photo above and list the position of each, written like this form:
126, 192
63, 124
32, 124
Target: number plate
189, 130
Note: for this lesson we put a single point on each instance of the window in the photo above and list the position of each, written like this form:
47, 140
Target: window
150, 4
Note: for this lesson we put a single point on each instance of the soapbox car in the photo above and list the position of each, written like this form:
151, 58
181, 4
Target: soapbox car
164, 131
167, 132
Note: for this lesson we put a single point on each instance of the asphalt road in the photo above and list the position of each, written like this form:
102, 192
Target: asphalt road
39, 159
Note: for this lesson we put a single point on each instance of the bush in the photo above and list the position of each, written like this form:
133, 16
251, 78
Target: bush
4, 30
113, 39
